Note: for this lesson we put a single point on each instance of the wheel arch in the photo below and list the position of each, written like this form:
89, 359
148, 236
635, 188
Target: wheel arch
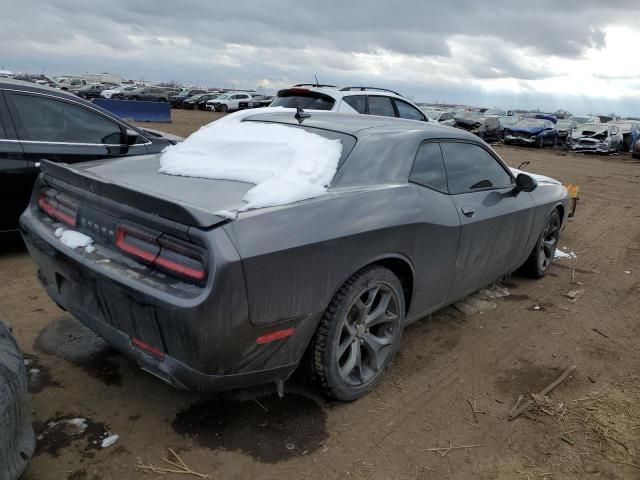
399, 265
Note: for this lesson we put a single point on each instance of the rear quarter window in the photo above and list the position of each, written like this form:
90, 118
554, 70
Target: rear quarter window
357, 102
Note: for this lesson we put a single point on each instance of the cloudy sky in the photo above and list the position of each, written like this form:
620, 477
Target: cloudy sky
580, 55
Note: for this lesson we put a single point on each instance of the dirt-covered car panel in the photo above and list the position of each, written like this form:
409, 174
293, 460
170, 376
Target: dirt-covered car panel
233, 325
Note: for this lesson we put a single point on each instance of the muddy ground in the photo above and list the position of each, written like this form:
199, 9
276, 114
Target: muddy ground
453, 384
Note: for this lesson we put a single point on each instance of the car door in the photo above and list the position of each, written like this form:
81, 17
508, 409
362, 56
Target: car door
15, 179
380, 105
436, 229
496, 219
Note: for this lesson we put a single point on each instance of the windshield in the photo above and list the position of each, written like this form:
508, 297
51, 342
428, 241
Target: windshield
531, 122
494, 111
579, 120
565, 123
433, 115
509, 120
224, 96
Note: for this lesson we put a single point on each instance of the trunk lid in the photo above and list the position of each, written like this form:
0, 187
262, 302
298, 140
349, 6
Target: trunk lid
136, 182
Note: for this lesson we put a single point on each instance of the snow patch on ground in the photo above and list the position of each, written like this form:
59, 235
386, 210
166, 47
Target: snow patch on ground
287, 164
73, 239
561, 254
539, 178
107, 442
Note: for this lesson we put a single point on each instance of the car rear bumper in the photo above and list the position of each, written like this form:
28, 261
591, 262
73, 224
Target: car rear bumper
190, 344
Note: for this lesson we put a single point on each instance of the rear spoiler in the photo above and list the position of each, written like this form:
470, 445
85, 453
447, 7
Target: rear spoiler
84, 180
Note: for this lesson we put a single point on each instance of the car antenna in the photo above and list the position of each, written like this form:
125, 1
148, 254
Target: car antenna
301, 114
317, 82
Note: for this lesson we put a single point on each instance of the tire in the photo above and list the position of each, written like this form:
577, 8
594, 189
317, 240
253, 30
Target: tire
17, 440
540, 143
507, 142
136, 98
224, 108
359, 335
542, 255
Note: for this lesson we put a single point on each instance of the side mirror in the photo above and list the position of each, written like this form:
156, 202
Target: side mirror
525, 183
132, 137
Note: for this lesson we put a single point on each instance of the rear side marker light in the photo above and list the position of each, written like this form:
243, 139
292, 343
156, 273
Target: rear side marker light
277, 335
59, 207
145, 347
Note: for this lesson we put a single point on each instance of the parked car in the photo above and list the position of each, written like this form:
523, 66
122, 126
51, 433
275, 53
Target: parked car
17, 441
442, 117
580, 119
485, 127
496, 112
208, 296
363, 100
116, 92
635, 153
538, 132
258, 101
176, 100
200, 101
625, 130
89, 91
153, 94
68, 83
228, 102
565, 127
596, 137
39, 122
507, 121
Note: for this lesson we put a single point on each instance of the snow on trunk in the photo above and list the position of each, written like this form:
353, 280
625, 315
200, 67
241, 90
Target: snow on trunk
287, 164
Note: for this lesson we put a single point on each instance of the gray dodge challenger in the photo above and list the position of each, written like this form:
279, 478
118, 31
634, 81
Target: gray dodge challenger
208, 294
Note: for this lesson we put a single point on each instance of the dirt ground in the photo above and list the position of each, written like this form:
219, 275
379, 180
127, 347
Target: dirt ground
456, 379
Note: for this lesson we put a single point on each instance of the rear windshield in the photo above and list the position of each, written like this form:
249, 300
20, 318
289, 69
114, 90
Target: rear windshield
305, 99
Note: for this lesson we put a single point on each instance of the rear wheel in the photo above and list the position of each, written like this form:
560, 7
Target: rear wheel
359, 334
542, 255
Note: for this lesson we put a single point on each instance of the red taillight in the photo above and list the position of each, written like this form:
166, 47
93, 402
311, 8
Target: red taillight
180, 258
137, 242
277, 335
170, 255
58, 206
147, 348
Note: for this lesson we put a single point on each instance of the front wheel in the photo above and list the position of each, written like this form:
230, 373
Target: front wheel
359, 334
542, 255
540, 141
224, 108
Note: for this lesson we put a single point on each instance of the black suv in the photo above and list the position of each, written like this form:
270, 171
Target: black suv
43, 123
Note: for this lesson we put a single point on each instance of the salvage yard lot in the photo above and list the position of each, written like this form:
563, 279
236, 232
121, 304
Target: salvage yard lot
453, 383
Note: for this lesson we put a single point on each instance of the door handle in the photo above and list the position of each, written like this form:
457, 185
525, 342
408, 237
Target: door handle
468, 211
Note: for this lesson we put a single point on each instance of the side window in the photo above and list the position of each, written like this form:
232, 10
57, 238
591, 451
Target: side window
357, 102
407, 111
43, 119
381, 106
470, 167
428, 167
2, 134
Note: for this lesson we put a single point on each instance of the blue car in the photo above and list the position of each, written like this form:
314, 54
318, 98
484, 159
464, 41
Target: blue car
539, 132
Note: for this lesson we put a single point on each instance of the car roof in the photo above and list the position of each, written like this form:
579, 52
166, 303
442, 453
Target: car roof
355, 124
10, 84
338, 93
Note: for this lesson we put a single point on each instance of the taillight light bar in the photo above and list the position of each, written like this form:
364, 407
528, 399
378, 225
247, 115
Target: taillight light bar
58, 206
173, 256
